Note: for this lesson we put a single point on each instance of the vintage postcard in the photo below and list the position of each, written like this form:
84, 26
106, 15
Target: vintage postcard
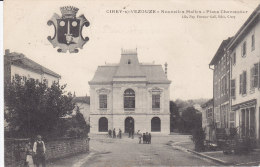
127, 83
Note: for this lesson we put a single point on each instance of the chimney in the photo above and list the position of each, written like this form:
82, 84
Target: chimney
7, 51
165, 69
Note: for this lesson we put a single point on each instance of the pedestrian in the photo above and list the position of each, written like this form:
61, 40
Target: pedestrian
120, 133
29, 152
129, 132
110, 133
147, 137
139, 133
144, 138
114, 133
132, 133
39, 151
150, 138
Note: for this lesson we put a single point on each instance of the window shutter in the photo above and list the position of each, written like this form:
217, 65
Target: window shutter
259, 75
252, 70
256, 66
244, 82
240, 83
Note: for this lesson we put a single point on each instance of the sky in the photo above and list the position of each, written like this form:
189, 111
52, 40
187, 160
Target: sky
186, 44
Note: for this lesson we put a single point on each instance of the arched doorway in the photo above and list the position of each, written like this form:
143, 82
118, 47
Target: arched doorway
129, 124
155, 124
103, 124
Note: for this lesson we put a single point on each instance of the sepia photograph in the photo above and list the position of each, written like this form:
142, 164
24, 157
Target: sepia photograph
131, 83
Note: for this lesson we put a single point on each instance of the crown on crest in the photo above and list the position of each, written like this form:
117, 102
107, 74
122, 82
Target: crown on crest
69, 11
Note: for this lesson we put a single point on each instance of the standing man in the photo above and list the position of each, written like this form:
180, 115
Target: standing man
120, 133
39, 151
129, 132
114, 133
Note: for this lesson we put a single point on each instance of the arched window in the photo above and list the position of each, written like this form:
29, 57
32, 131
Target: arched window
155, 124
129, 99
103, 124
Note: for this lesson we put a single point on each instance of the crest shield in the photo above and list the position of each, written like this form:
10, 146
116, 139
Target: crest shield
68, 30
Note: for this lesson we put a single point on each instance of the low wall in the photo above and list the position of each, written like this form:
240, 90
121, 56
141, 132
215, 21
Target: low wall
55, 149
65, 147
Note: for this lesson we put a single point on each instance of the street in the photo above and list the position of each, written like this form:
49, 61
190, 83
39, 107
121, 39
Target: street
126, 152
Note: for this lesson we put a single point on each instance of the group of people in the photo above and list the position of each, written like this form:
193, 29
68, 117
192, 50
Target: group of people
35, 154
147, 137
113, 133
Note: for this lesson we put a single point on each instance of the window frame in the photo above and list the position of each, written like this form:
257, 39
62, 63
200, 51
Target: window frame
102, 101
129, 99
156, 101
244, 49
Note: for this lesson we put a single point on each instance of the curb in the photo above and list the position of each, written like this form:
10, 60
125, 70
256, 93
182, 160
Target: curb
209, 157
203, 155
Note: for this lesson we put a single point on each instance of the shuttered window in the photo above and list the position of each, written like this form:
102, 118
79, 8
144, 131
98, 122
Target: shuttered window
254, 76
253, 42
233, 88
244, 82
240, 83
259, 77
243, 49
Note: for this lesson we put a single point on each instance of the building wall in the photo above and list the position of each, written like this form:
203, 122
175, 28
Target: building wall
143, 112
245, 64
24, 72
221, 82
31, 74
84, 110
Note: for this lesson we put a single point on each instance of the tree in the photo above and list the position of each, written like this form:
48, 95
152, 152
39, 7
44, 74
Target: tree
191, 119
174, 116
79, 126
33, 108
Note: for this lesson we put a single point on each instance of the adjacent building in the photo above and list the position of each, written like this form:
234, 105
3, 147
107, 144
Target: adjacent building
221, 81
82, 104
244, 50
130, 96
236, 79
17, 64
207, 119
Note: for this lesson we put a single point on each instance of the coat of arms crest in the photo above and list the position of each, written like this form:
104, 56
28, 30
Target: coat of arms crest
68, 30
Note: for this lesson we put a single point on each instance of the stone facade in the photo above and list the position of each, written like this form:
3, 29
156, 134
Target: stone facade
146, 83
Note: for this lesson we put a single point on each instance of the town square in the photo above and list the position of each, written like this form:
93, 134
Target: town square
131, 83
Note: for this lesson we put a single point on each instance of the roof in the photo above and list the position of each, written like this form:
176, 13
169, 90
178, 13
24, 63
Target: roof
129, 66
247, 26
207, 104
20, 60
81, 99
221, 51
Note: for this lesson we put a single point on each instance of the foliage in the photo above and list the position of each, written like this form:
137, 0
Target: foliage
174, 115
198, 138
79, 126
33, 108
190, 119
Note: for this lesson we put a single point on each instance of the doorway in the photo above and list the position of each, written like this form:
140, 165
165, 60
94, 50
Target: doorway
129, 124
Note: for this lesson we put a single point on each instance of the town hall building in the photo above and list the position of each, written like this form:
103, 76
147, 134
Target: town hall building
130, 95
